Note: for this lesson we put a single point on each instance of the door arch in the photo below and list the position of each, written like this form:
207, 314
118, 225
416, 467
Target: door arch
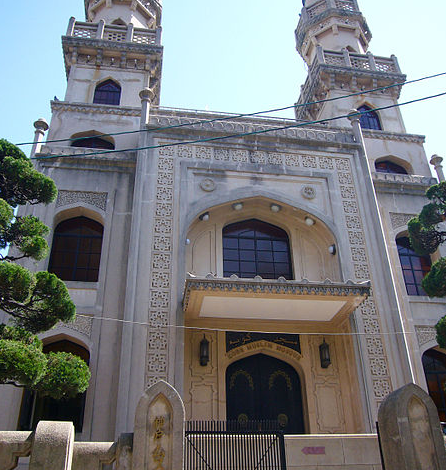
263, 387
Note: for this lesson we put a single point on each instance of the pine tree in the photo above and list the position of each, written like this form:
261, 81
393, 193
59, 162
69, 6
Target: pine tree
35, 302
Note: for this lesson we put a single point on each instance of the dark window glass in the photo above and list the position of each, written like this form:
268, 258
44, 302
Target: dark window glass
36, 408
76, 250
108, 92
93, 143
414, 266
254, 248
370, 119
389, 167
434, 364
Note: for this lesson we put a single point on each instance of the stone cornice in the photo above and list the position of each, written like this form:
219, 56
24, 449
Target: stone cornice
323, 134
280, 286
90, 108
395, 136
128, 47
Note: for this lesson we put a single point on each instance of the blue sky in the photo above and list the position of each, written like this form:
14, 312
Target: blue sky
232, 55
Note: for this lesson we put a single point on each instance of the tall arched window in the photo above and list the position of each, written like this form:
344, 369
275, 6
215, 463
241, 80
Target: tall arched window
254, 248
76, 250
108, 92
370, 119
414, 266
434, 364
36, 408
386, 166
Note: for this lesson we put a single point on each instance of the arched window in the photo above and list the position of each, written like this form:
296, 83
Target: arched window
36, 408
414, 266
119, 22
254, 248
386, 166
434, 364
93, 143
108, 92
370, 119
76, 250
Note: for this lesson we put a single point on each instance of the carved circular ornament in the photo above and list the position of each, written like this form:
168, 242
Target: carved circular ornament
308, 192
207, 185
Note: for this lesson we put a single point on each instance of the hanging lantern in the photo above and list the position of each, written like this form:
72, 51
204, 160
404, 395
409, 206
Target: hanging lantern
204, 351
324, 353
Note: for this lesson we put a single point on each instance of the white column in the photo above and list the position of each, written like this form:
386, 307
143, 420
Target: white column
41, 127
436, 162
146, 95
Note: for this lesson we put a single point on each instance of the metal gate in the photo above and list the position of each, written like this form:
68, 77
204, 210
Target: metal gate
232, 445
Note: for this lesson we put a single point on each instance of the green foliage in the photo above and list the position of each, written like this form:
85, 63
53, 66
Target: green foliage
434, 283
66, 375
59, 375
20, 183
441, 332
38, 301
426, 236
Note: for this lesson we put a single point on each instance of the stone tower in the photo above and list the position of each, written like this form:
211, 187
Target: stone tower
333, 38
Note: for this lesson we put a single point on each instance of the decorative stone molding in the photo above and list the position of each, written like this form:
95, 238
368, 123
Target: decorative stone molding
98, 200
308, 192
399, 219
425, 334
389, 178
94, 108
383, 135
207, 185
280, 286
208, 122
82, 324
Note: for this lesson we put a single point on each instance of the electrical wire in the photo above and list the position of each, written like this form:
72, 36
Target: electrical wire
237, 116
245, 134
224, 330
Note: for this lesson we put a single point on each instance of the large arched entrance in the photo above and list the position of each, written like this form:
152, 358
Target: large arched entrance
263, 387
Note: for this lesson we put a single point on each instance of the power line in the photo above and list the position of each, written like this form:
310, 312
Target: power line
237, 116
230, 330
245, 134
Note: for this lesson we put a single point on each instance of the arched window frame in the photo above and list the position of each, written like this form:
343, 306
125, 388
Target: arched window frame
434, 366
107, 92
267, 255
82, 249
390, 167
35, 408
414, 267
369, 119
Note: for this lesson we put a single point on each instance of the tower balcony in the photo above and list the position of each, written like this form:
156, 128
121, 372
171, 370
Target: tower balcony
113, 33
300, 302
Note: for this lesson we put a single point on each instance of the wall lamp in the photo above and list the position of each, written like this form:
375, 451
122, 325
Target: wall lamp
275, 208
204, 351
332, 249
324, 353
309, 221
237, 206
204, 217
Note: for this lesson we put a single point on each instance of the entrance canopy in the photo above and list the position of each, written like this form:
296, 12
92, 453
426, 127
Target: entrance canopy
260, 299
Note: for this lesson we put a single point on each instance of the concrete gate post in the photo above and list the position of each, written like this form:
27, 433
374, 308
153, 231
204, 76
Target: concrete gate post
158, 438
410, 432
53, 446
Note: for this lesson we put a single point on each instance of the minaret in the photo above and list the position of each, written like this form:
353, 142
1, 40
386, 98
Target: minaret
120, 41
333, 38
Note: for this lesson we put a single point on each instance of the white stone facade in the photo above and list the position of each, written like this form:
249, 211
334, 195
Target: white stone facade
151, 202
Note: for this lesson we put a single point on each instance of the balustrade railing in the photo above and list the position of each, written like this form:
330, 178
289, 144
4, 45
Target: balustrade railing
322, 5
112, 33
361, 61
